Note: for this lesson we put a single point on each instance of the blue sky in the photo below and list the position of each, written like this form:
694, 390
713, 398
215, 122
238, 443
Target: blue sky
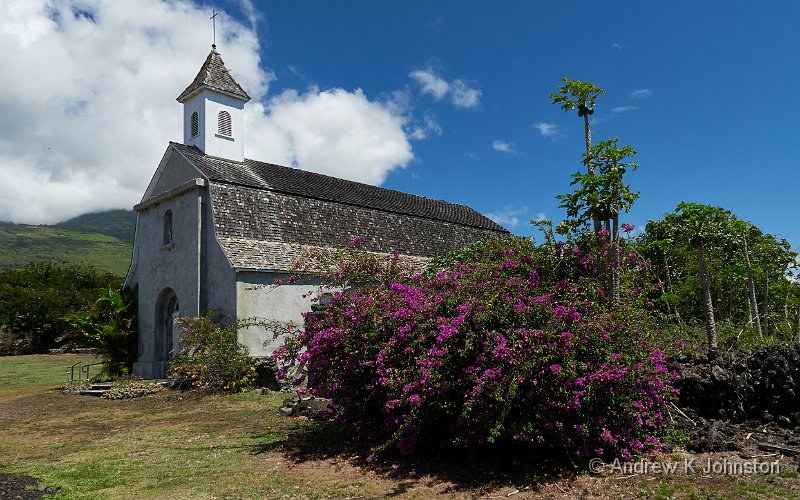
713, 128
704, 91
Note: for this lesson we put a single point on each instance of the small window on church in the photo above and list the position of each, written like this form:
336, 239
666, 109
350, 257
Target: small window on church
224, 120
167, 228
195, 124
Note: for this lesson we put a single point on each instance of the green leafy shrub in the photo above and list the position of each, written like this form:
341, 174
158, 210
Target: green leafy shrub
210, 357
36, 301
110, 326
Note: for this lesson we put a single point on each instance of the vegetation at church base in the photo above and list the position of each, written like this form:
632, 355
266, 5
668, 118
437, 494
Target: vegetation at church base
37, 301
109, 325
511, 350
186, 445
210, 357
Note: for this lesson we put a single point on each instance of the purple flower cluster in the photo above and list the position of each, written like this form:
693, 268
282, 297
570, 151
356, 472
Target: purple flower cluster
492, 353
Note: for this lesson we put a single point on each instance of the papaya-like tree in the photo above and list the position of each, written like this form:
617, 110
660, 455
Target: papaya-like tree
740, 292
704, 226
600, 196
751, 288
576, 94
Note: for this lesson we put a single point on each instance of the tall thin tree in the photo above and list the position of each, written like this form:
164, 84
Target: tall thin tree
751, 288
575, 94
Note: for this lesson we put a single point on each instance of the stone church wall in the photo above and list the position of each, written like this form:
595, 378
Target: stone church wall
174, 266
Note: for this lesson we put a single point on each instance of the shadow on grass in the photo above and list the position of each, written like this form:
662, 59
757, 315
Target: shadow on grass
475, 470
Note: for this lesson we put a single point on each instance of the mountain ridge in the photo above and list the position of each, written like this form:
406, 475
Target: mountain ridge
101, 239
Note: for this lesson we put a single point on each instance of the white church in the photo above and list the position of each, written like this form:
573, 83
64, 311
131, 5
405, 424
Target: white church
213, 226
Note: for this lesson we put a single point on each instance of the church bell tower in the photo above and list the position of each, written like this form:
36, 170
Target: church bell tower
213, 111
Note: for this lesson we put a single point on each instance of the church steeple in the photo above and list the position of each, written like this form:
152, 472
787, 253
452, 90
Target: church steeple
213, 106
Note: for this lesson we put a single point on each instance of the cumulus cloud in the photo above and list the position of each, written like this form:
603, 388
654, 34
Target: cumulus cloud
641, 93
465, 96
502, 146
509, 216
429, 126
88, 105
549, 130
461, 94
623, 109
430, 83
334, 132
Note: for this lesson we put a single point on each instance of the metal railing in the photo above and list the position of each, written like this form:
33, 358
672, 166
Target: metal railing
71, 371
82, 370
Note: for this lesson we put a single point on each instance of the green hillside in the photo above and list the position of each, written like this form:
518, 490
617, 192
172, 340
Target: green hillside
120, 224
103, 240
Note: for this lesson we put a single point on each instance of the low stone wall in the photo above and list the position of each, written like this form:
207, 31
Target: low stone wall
757, 385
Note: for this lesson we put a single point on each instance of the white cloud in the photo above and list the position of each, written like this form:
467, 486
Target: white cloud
549, 130
252, 14
88, 105
502, 146
428, 127
334, 132
430, 83
617, 45
462, 95
641, 93
509, 216
623, 109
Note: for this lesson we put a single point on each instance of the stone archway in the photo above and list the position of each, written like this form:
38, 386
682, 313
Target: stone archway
166, 329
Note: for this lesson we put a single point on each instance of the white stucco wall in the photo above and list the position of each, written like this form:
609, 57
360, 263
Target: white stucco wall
174, 266
257, 297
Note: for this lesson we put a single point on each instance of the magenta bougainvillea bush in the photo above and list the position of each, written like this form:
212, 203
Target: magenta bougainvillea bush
510, 347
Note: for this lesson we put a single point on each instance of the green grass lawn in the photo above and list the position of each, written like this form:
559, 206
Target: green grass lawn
37, 372
190, 445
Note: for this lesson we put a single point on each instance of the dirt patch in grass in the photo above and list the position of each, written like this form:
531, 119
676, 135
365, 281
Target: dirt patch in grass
22, 487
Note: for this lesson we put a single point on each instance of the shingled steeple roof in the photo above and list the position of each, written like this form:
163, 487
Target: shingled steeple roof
215, 76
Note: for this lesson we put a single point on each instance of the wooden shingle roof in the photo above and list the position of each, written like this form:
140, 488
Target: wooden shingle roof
263, 212
214, 75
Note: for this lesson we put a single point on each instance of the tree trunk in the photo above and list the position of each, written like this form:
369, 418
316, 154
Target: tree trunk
615, 260
607, 254
669, 287
751, 289
796, 326
588, 134
708, 306
766, 300
597, 223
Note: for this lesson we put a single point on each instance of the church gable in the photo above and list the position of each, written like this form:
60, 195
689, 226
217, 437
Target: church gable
173, 171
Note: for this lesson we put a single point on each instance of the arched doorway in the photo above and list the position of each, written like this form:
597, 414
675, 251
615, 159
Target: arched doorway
166, 331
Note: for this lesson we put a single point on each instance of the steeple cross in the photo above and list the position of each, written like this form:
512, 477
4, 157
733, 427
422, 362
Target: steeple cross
214, 25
